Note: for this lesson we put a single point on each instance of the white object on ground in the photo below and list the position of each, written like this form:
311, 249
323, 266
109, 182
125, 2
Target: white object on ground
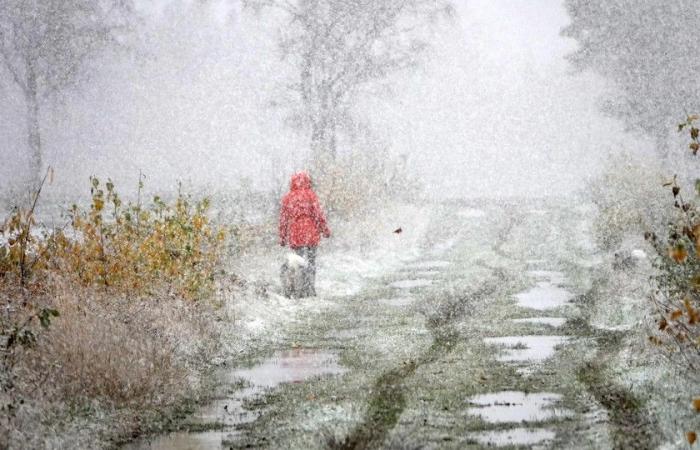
296, 261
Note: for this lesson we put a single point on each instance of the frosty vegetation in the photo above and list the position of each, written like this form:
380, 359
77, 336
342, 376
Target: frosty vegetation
131, 252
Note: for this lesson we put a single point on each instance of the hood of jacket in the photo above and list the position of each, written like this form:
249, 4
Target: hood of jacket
300, 181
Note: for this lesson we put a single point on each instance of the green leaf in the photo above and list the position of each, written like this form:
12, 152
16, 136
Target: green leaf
45, 316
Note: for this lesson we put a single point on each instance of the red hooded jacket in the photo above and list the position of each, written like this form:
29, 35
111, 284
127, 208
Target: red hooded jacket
301, 219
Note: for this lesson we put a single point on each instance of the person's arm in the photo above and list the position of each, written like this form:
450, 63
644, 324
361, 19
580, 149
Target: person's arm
321, 222
284, 224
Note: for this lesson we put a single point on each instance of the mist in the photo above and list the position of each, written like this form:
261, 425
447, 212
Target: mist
492, 110
349, 224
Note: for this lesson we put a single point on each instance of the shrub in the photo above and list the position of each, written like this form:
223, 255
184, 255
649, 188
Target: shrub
676, 296
127, 248
628, 200
358, 181
121, 276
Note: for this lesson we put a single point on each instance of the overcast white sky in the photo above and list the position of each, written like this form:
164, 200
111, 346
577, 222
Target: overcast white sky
494, 111
497, 110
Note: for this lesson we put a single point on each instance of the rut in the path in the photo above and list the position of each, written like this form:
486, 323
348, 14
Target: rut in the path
632, 426
388, 398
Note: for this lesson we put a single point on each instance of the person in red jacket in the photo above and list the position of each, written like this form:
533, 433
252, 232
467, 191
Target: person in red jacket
302, 223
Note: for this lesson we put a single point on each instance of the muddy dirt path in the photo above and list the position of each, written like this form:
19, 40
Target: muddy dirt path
483, 341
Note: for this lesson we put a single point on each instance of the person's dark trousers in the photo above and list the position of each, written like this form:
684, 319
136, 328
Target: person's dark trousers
309, 287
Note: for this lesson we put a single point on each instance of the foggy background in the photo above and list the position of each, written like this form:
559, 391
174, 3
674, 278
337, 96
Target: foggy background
493, 110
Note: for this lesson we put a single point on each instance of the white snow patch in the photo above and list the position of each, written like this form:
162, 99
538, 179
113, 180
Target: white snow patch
471, 213
367, 249
397, 302
551, 321
638, 254
409, 284
435, 264
427, 273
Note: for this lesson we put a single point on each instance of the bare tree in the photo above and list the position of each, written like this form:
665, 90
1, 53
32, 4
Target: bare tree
44, 45
649, 50
337, 47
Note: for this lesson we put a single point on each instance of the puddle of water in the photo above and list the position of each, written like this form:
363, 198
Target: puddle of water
290, 366
551, 321
516, 407
553, 276
544, 295
435, 264
180, 441
408, 284
398, 301
526, 348
513, 437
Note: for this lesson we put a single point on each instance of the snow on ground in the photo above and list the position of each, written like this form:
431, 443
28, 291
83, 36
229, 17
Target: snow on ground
359, 251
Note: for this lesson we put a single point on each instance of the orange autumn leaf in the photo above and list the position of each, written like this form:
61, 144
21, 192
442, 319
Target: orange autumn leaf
677, 314
678, 253
691, 436
696, 404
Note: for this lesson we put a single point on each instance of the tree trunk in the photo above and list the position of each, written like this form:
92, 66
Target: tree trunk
323, 139
33, 130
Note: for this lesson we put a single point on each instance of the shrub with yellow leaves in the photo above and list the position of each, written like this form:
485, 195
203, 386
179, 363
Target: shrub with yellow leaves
129, 248
676, 283
676, 296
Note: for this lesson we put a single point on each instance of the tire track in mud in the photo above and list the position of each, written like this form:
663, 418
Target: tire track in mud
388, 398
632, 426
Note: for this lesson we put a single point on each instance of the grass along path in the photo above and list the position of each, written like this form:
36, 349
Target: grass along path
474, 343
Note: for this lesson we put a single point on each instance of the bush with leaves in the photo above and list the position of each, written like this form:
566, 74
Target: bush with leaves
676, 293
132, 248
676, 297
627, 199
106, 253
356, 182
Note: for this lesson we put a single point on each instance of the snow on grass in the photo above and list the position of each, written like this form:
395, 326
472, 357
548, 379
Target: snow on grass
429, 265
549, 321
471, 213
399, 302
361, 250
410, 284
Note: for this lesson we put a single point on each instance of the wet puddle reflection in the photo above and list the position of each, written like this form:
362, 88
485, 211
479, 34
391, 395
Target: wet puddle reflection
291, 366
526, 348
516, 407
513, 437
